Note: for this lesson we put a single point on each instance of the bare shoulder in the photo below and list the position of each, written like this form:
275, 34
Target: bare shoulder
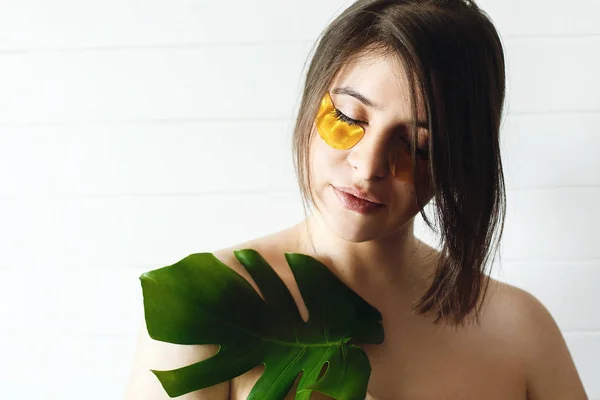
521, 318
151, 354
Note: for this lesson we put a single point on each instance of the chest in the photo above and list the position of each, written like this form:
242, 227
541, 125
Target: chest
421, 362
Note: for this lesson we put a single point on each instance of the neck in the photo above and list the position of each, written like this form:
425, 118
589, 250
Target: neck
398, 263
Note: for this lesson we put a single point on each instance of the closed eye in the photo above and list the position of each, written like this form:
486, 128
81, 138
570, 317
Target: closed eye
344, 118
423, 153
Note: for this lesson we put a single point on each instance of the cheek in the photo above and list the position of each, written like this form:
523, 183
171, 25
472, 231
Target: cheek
407, 186
323, 158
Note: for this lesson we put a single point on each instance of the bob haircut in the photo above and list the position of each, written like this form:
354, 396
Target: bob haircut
454, 58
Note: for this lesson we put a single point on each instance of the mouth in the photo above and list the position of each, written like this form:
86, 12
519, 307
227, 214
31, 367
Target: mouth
355, 203
359, 194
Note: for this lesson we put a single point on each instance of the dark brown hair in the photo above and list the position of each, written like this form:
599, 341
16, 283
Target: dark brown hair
454, 60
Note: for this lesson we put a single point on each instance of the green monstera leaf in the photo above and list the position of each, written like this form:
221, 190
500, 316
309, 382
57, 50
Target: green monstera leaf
200, 300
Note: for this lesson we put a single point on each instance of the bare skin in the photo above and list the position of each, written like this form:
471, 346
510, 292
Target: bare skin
515, 353
418, 360
422, 361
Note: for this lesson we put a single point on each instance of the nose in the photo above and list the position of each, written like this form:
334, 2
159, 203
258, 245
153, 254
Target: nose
369, 158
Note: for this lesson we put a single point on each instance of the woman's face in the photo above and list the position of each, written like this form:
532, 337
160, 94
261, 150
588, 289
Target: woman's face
361, 139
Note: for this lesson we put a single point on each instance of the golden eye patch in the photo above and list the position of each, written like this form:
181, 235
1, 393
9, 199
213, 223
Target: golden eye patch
400, 163
400, 157
335, 132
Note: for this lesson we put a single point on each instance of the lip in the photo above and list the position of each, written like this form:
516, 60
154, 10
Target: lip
356, 192
357, 204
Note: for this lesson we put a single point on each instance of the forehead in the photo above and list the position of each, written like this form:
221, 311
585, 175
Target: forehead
383, 80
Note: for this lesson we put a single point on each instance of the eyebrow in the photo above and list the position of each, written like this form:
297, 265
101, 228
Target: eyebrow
351, 92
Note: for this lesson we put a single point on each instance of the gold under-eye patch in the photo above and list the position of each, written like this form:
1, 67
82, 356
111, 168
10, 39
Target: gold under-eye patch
400, 163
336, 133
393, 159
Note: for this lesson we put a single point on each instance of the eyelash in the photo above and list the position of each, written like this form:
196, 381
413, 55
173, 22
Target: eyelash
344, 118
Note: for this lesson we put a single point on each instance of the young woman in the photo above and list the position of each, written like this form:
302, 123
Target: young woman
401, 106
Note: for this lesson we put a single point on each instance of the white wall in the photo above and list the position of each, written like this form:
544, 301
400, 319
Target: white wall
135, 133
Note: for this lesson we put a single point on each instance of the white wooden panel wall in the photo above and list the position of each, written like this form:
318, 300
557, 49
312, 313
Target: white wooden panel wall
133, 134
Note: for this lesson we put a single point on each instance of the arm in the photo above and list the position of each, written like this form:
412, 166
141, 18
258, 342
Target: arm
549, 367
152, 354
